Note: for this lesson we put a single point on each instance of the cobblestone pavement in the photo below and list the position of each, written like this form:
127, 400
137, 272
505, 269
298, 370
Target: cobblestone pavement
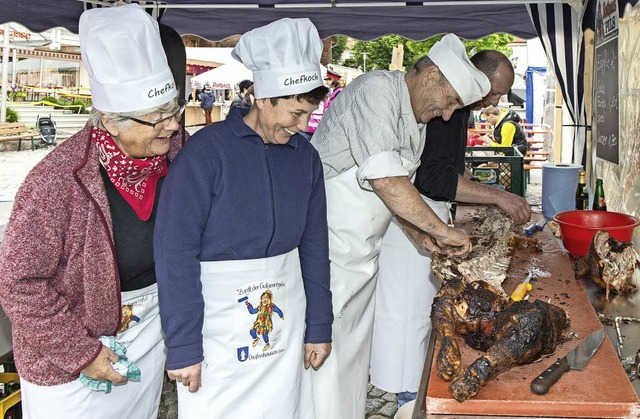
380, 405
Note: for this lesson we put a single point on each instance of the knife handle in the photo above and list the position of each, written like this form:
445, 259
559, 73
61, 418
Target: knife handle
542, 383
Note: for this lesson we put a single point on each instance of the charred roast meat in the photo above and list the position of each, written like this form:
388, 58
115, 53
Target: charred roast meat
511, 333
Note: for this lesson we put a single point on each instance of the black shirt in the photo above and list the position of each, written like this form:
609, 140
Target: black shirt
133, 238
442, 159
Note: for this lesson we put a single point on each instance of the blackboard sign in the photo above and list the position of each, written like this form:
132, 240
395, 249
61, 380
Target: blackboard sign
607, 117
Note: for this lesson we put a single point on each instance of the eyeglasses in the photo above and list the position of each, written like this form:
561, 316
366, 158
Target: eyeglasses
176, 115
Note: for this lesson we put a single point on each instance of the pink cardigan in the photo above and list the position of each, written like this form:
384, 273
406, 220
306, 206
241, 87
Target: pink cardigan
59, 281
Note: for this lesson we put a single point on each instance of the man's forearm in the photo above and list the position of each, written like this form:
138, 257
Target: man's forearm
475, 192
404, 200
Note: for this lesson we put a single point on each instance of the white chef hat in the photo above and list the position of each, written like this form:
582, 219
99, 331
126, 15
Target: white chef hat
284, 57
451, 58
123, 54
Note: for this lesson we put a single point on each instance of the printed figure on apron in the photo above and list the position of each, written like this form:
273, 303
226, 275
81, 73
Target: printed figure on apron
84, 307
370, 141
246, 200
263, 324
127, 317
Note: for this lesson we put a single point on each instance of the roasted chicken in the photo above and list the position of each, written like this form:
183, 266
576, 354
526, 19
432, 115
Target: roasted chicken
510, 333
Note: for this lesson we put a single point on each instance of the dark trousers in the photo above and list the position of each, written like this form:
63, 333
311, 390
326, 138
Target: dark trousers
207, 116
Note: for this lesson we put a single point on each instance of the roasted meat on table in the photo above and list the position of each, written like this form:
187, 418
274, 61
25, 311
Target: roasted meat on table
494, 241
511, 333
609, 263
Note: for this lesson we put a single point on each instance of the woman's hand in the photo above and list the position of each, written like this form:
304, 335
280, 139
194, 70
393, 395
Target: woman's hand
315, 354
101, 368
190, 376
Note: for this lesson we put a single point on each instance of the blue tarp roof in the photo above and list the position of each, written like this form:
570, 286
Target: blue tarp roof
416, 20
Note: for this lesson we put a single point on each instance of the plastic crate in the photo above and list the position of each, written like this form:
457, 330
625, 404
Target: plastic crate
500, 167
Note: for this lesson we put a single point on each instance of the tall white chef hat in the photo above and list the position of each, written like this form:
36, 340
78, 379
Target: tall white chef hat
123, 54
284, 57
451, 58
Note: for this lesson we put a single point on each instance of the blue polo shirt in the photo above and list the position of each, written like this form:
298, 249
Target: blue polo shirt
230, 196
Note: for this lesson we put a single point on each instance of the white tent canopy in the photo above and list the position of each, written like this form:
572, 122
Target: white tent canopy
224, 77
209, 55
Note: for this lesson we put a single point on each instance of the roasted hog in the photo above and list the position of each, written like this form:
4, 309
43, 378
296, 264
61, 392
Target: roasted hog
511, 333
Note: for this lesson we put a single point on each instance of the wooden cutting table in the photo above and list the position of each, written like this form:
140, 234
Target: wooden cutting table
600, 390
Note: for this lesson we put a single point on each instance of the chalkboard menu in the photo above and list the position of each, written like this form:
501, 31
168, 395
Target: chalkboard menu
607, 128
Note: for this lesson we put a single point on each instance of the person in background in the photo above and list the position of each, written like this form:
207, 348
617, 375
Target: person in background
207, 101
238, 100
80, 285
249, 98
507, 130
370, 141
406, 284
333, 81
243, 212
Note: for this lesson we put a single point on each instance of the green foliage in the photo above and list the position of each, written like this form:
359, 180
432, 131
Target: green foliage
338, 48
496, 41
12, 116
350, 62
52, 100
83, 105
379, 51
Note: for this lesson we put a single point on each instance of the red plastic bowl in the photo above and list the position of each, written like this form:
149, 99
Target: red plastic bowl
578, 228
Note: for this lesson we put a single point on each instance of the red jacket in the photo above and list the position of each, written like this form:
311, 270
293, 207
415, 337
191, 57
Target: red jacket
59, 280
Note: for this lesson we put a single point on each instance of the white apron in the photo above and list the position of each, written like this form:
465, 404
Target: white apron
405, 291
142, 335
253, 338
340, 385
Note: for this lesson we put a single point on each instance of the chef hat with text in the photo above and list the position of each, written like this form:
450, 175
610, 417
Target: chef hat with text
451, 58
123, 54
284, 57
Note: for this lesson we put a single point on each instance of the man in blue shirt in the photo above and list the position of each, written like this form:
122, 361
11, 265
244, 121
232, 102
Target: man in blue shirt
207, 99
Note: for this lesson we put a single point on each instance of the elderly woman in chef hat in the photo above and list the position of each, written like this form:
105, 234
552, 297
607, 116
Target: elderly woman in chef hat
243, 212
77, 273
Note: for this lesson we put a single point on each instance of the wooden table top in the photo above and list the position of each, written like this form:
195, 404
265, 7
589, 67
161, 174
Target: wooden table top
600, 390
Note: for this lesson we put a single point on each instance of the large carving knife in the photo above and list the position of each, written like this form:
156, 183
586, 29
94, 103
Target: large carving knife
576, 360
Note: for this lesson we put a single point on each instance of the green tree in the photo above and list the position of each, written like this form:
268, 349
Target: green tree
497, 41
337, 48
378, 51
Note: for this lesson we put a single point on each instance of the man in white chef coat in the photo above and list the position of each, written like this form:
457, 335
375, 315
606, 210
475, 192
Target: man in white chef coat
370, 142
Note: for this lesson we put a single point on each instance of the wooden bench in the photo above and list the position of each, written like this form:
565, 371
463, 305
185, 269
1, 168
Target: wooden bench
11, 131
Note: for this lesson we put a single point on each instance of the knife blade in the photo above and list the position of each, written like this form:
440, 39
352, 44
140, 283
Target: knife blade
576, 359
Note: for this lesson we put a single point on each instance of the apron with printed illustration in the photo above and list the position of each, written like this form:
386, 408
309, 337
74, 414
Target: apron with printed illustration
253, 339
140, 332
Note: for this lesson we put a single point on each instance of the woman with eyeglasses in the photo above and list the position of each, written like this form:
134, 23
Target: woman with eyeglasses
241, 243
77, 275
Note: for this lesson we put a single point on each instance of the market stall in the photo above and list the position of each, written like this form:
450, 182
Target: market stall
223, 81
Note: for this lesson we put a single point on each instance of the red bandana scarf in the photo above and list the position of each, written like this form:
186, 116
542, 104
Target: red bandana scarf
135, 179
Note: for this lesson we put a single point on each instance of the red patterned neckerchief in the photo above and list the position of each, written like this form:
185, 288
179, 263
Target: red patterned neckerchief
135, 179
